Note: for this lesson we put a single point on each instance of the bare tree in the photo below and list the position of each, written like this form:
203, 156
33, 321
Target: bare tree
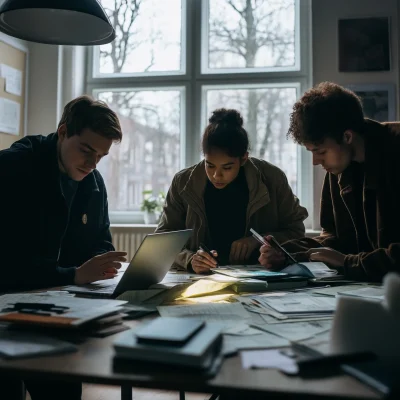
254, 31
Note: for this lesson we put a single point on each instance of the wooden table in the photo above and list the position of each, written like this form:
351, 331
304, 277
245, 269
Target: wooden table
93, 363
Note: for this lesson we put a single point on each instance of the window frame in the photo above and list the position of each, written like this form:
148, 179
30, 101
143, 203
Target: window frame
194, 80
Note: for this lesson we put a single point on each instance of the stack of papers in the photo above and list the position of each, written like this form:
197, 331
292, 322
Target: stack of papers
282, 307
301, 304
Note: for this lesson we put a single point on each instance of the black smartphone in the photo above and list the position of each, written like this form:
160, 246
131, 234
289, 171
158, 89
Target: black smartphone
275, 244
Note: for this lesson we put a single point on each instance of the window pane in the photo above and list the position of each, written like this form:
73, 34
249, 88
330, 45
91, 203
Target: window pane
265, 111
249, 34
149, 154
148, 37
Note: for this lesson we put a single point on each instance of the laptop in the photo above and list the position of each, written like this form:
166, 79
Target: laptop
149, 266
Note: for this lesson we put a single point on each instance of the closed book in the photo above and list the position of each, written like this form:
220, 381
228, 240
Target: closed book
198, 352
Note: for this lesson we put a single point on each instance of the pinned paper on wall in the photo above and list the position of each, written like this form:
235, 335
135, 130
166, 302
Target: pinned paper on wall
10, 112
13, 79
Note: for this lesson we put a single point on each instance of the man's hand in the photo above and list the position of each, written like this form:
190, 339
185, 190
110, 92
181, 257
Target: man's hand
242, 249
103, 266
271, 258
327, 255
202, 261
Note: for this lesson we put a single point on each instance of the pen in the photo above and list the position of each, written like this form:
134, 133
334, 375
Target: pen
205, 248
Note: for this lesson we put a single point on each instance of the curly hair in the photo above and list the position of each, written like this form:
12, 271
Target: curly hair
225, 132
325, 111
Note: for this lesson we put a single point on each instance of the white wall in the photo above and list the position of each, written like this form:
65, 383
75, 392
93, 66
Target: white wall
325, 15
57, 75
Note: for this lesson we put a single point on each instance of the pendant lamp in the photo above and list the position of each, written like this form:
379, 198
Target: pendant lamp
67, 22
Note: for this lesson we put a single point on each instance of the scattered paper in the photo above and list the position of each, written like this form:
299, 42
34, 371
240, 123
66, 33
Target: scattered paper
298, 330
137, 297
334, 290
268, 359
319, 269
13, 78
207, 312
320, 342
370, 292
204, 287
232, 344
10, 112
239, 329
302, 303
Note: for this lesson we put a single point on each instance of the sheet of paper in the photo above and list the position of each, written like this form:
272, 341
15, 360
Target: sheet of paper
241, 329
268, 359
10, 113
319, 269
297, 330
302, 303
269, 319
320, 342
13, 78
370, 292
207, 311
204, 287
232, 344
139, 296
334, 290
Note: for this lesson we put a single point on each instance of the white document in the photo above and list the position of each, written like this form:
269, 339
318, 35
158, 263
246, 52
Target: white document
320, 342
302, 303
297, 330
231, 344
319, 269
137, 297
369, 292
268, 359
332, 291
10, 112
13, 78
207, 311
269, 319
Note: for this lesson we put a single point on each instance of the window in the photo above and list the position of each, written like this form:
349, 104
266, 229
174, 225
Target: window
173, 62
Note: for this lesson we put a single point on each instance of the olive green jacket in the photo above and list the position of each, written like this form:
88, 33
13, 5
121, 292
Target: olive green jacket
272, 209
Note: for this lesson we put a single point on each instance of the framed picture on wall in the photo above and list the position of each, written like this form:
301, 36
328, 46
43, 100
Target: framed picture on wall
378, 100
364, 44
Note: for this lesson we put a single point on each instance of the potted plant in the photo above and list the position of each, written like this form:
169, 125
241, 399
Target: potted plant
152, 206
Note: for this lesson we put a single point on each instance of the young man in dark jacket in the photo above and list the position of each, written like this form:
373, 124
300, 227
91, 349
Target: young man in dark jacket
54, 225
360, 215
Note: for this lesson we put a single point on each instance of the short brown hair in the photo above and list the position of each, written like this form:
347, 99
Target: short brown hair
325, 111
86, 113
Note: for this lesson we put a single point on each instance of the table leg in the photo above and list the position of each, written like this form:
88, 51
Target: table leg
126, 392
181, 395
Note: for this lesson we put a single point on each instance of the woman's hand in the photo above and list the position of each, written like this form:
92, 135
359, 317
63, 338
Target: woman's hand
202, 261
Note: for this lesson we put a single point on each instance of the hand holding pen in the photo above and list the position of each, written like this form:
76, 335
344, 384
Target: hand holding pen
204, 260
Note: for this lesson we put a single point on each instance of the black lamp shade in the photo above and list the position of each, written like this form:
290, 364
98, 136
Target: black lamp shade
67, 22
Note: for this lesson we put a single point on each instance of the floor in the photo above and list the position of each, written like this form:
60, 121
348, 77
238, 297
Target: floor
100, 392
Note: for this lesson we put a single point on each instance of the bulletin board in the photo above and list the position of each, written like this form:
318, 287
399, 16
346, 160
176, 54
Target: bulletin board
15, 58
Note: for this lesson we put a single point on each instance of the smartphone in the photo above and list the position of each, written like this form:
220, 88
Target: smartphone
274, 243
205, 248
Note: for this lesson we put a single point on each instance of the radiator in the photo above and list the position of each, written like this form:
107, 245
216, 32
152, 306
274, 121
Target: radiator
128, 237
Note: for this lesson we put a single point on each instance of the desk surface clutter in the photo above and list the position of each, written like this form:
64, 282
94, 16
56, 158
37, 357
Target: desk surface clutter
246, 338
